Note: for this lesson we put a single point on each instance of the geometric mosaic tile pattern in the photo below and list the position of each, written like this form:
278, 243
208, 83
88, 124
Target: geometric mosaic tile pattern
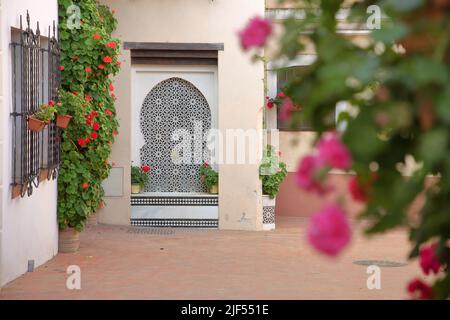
173, 105
176, 223
268, 215
174, 201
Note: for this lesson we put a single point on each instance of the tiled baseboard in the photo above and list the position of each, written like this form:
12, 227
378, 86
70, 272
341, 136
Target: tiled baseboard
176, 223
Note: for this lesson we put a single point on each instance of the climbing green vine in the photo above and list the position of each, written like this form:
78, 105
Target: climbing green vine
89, 57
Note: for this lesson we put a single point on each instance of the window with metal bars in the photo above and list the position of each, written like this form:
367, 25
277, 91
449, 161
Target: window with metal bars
35, 81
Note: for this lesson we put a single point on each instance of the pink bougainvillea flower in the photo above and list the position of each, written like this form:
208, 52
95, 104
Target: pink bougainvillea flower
429, 261
146, 168
281, 95
111, 87
332, 152
108, 112
255, 33
81, 142
96, 126
85, 185
328, 230
356, 190
88, 69
419, 289
287, 107
111, 45
61, 68
96, 36
51, 103
107, 59
94, 135
101, 66
305, 175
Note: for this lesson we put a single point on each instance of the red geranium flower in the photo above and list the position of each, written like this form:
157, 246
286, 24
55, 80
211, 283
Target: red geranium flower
101, 66
94, 113
94, 135
118, 63
281, 95
111, 87
88, 98
88, 69
81, 142
88, 139
51, 103
111, 45
108, 112
107, 59
88, 121
146, 168
75, 93
206, 164
96, 36
115, 133
96, 126
61, 68
85, 185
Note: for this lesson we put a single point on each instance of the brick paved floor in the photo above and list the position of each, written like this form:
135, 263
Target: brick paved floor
209, 264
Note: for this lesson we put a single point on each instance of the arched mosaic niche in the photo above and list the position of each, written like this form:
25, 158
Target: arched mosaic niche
171, 105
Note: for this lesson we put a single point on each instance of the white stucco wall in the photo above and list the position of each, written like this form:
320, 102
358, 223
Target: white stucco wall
240, 92
28, 228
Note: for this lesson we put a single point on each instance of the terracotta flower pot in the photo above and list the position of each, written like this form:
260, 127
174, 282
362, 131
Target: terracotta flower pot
69, 240
214, 189
92, 220
135, 189
62, 121
35, 124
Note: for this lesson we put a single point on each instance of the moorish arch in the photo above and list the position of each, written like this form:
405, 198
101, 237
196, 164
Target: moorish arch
170, 105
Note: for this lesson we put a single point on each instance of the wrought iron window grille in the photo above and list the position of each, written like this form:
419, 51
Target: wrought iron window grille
35, 80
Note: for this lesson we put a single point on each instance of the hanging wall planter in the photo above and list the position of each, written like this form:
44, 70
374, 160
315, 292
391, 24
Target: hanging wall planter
62, 121
35, 124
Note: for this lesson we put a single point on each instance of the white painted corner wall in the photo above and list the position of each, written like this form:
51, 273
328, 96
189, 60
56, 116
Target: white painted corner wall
28, 226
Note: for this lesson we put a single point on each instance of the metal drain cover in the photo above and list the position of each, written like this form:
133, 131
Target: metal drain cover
155, 231
380, 263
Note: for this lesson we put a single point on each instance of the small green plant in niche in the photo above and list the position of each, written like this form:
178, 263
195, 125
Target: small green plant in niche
272, 172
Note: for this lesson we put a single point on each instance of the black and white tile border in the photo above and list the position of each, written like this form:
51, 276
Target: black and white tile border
174, 201
176, 223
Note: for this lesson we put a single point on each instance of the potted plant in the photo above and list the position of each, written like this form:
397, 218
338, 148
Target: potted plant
210, 178
62, 117
272, 173
139, 178
42, 117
